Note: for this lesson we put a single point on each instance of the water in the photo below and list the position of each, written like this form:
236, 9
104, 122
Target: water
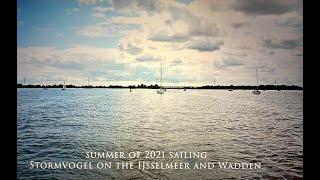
236, 126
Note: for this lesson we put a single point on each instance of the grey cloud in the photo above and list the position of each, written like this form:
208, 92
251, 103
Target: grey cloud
272, 53
176, 62
269, 68
284, 44
228, 62
131, 48
295, 22
238, 54
69, 65
121, 4
197, 25
204, 45
164, 37
125, 7
265, 7
203, 29
54, 62
133, 6
218, 5
147, 58
149, 5
231, 62
239, 24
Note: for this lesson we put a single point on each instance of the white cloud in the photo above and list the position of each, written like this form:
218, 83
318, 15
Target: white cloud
93, 31
193, 41
101, 9
73, 63
148, 58
106, 30
132, 47
205, 45
262, 7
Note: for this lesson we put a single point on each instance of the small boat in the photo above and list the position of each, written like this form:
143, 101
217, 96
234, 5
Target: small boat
64, 87
275, 85
256, 92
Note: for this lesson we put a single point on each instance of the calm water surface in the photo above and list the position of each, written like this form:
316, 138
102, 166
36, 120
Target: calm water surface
236, 126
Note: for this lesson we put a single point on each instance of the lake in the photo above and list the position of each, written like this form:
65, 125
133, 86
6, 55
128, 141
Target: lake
230, 126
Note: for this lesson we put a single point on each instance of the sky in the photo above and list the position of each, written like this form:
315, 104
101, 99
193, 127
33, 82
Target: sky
123, 42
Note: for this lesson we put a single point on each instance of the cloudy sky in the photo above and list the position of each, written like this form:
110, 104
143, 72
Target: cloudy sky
125, 42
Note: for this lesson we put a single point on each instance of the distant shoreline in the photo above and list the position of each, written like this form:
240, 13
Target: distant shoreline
142, 86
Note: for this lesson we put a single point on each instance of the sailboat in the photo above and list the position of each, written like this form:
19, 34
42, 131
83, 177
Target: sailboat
275, 84
64, 85
256, 92
44, 87
89, 87
160, 91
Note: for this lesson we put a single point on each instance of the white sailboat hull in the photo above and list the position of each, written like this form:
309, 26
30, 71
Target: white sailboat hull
256, 92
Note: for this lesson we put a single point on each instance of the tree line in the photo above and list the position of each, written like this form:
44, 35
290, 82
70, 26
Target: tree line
156, 86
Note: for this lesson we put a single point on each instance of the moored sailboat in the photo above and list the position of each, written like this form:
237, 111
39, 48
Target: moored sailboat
64, 87
160, 91
256, 92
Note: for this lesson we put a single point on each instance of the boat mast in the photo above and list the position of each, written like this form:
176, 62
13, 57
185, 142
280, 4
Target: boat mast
161, 77
257, 77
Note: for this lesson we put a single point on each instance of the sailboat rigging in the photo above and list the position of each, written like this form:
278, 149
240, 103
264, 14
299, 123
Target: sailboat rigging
256, 92
64, 85
89, 86
160, 91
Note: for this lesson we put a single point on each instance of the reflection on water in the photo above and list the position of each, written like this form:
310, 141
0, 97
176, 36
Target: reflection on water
237, 126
